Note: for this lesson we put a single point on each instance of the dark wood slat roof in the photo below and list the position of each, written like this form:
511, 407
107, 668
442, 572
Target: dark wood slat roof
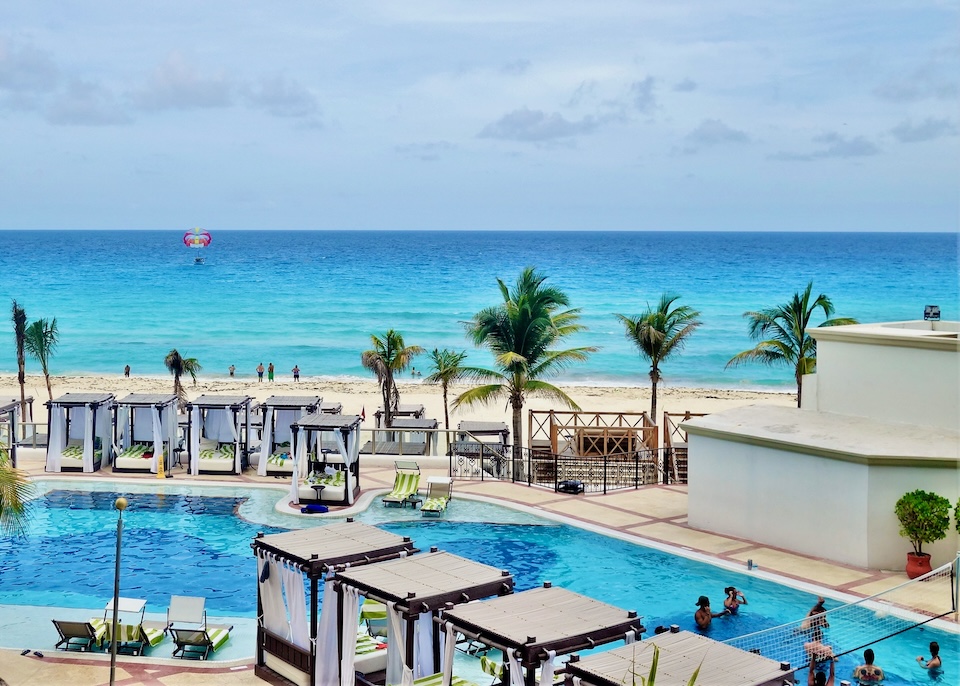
428, 581
681, 654
292, 401
328, 422
411, 423
83, 398
483, 428
322, 547
554, 618
213, 400
7, 404
144, 399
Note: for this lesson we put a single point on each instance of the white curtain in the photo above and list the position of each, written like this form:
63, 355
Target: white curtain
398, 671
423, 650
234, 423
350, 452
295, 453
449, 647
293, 589
78, 419
196, 428
171, 429
266, 441
104, 431
123, 423
157, 440
546, 669
630, 637
88, 439
57, 438
143, 424
285, 418
327, 664
271, 598
350, 622
516, 673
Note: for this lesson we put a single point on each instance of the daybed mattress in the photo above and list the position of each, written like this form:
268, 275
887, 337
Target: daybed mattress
217, 459
334, 487
136, 457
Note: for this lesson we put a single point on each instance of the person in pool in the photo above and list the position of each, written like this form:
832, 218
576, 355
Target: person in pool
734, 599
817, 616
704, 616
868, 673
934, 661
817, 650
815, 678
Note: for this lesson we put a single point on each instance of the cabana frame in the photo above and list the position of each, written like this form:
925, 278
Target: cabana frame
307, 435
62, 425
412, 411
275, 426
315, 552
198, 412
10, 414
125, 429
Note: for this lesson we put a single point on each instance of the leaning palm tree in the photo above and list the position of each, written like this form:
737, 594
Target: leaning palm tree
178, 366
388, 357
784, 333
40, 341
19, 317
448, 369
15, 491
521, 333
657, 333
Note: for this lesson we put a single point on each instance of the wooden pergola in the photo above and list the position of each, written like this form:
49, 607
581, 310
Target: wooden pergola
530, 624
679, 655
316, 551
427, 583
10, 412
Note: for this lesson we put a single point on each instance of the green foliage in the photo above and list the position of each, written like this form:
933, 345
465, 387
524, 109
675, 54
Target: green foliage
651, 677
19, 318
782, 334
657, 333
178, 365
447, 369
956, 516
40, 341
389, 357
16, 489
924, 518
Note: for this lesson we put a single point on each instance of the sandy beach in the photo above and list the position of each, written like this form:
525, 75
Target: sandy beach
357, 396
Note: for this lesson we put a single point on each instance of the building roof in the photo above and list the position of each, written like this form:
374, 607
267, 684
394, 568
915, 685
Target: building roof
221, 400
411, 423
844, 437
83, 398
933, 335
319, 548
541, 619
425, 582
680, 655
328, 422
293, 401
483, 428
143, 399
405, 410
331, 407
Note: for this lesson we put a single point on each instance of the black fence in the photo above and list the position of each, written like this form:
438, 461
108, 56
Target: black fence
566, 473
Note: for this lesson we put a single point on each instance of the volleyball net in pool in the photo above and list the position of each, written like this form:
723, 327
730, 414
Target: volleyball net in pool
852, 627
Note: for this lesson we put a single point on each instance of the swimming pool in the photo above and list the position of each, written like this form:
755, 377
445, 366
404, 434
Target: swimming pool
189, 540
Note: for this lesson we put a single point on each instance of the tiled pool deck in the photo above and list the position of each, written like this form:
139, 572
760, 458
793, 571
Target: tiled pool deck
655, 513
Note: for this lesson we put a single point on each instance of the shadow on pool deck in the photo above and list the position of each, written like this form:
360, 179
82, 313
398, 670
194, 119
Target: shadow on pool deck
656, 513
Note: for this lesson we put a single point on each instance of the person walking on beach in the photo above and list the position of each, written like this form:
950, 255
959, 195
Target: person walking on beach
704, 616
734, 599
296, 373
270, 372
126, 371
232, 369
868, 673
260, 373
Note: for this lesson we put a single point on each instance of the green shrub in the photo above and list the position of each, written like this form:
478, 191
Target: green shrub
924, 518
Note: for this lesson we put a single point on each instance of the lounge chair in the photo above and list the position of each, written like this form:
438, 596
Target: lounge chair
370, 656
186, 610
374, 615
405, 484
80, 635
135, 638
493, 668
439, 492
199, 643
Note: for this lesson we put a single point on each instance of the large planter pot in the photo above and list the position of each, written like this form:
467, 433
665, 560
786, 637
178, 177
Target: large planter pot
917, 565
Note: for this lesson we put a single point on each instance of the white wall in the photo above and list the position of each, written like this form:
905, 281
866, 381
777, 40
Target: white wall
834, 509
889, 383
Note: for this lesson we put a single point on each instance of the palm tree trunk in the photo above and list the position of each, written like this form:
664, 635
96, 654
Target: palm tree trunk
49, 389
387, 409
446, 411
517, 404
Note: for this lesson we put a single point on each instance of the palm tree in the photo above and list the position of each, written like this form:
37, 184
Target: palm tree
521, 332
179, 366
15, 492
19, 317
659, 332
388, 357
448, 369
788, 342
40, 341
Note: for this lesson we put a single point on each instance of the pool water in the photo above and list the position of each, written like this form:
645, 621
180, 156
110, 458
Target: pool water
190, 540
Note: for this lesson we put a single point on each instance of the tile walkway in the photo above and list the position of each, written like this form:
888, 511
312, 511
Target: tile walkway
655, 513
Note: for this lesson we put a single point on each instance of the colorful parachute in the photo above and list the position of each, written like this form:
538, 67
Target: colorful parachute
196, 238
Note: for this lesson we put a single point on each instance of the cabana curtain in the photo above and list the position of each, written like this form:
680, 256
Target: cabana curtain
266, 442
546, 669
57, 440
88, 439
196, 428
293, 589
104, 431
157, 440
516, 672
123, 422
327, 665
398, 671
423, 655
349, 448
449, 648
271, 597
348, 632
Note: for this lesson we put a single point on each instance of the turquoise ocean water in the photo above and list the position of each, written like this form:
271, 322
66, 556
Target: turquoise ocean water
312, 298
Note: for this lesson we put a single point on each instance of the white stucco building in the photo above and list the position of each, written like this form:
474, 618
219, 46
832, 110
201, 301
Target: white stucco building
880, 417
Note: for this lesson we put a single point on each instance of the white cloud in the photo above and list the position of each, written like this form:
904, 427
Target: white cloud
26, 69
282, 97
927, 130
178, 85
86, 104
642, 93
832, 145
536, 126
712, 132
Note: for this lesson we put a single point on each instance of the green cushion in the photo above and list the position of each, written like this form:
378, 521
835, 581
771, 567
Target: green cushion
437, 680
434, 505
154, 636
100, 629
404, 485
218, 637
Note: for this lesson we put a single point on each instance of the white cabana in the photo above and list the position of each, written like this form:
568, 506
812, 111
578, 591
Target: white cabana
80, 432
346, 430
146, 432
275, 455
288, 645
217, 428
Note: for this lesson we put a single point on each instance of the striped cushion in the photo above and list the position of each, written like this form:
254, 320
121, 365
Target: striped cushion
434, 505
278, 458
367, 644
135, 451
210, 455
99, 629
437, 680
74, 452
218, 637
405, 485
335, 479
153, 635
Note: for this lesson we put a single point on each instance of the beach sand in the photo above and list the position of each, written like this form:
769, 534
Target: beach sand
357, 396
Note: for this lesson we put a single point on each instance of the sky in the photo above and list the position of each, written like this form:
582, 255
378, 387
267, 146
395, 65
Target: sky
732, 115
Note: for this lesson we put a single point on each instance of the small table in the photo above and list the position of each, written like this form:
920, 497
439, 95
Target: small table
414, 500
319, 489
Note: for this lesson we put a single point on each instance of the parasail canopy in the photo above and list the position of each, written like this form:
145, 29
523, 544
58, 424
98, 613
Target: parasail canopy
196, 238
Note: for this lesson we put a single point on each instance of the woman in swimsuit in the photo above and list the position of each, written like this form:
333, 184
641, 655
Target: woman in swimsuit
734, 599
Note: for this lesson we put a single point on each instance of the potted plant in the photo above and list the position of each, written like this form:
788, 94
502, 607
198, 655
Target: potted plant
924, 518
